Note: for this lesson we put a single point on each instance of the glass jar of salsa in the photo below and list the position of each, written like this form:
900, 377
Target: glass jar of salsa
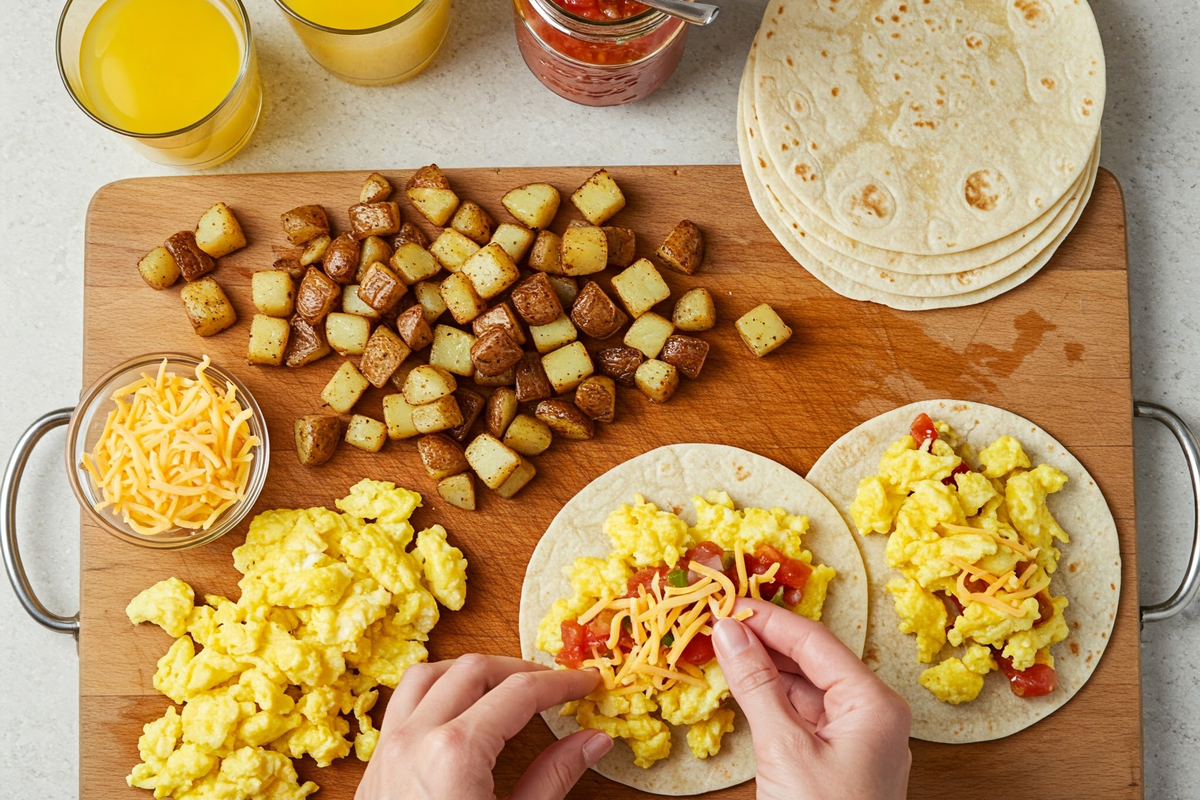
598, 52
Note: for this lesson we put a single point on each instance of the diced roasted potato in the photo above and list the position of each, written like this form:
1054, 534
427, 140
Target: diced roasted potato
193, 262
207, 307
640, 287
594, 312
158, 268
658, 380
622, 246
375, 189
536, 300
599, 198
473, 222
492, 461
314, 251
546, 255
459, 295
273, 292
649, 333
683, 250
409, 232
451, 350
413, 328
317, 296
218, 232
429, 191
532, 383
557, 334
528, 435
347, 333
534, 204
516, 482
371, 250
500, 316
306, 343
762, 330
427, 383
471, 405
458, 491
344, 388
291, 266
491, 271
429, 296
515, 239
565, 419
381, 289
413, 263
506, 378
366, 433
597, 397
452, 249
495, 352
567, 366
304, 223
268, 340
502, 409
583, 250
440, 415
384, 354
397, 414
686, 354
442, 456
620, 363
352, 303
374, 219
695, 311
341, 258
317, 437
565, 287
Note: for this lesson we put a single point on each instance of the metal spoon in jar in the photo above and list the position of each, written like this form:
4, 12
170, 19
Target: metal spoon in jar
693, 13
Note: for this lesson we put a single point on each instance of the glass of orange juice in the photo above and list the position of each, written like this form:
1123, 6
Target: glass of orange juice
370, 42
176, 78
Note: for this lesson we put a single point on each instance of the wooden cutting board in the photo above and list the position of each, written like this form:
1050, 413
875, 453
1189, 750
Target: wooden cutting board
1055, 350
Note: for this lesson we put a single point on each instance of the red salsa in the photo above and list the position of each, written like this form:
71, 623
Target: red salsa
601, 10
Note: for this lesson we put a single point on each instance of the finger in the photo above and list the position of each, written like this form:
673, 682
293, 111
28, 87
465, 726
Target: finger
469, 678
504, 711
555, 771
783, 663
752, 677
808, 700
417, 681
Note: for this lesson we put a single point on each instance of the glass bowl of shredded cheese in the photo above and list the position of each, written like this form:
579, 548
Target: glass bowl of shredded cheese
168, 451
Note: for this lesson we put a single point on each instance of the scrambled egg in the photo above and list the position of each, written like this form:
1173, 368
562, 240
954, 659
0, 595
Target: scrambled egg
331, 606
982, 537
643, 535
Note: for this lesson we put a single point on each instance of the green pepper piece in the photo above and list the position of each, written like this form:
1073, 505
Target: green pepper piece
726, 559
777, 598
678, 578
668, 639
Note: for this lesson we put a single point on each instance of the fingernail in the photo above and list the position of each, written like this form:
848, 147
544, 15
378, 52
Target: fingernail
595, 747
730, 637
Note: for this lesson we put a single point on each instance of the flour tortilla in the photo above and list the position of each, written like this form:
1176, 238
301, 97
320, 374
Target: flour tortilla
1089, 571
670, 477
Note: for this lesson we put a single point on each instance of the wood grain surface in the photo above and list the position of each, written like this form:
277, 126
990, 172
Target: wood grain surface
1055, 350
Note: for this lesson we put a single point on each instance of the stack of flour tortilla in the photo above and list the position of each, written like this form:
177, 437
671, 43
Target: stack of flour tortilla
922, 153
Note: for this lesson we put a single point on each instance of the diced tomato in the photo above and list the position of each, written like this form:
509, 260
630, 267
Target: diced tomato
922, 429
574, 638
710, 554
792, 573
1037, 680
961, 469
602, 10
644, 577
598, 630
699, 650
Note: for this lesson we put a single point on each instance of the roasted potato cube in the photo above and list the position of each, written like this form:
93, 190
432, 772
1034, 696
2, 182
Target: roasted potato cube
193, 262
683, 250
452, 249
306, 343
516, 482
341, 258
567, 366
352, 303
546, 255
557, 334
502, 409
158, 268
207, 307
381, 289
218, 232
640, 287
762, 330
268, 340
599, 198
473, 222
649, 333
304, 223
344, 388
566, 288
317, 296
371, 250
317, 436
492, 461
409, 232
471, 405
442, 456
594, 312
440, 415
413, 263
506, 378
397, 415
459, 295
620, 363
686, 354
534, 204
597, 397
658, 380
495, 352
427, 383
366, 433
429, 296
451, 350
500, 316
515, 239
314, 251
622, 246
291, 266
532, 383
565, 419
347, 333
384, 353
695, 311
413, 328
458, 491
375, 189
374, 219
491, 271
536, 300
430, 192
273, 292
583, 250
528, 435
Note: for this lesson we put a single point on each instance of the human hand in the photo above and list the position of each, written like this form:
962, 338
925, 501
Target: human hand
824, 725
448, 721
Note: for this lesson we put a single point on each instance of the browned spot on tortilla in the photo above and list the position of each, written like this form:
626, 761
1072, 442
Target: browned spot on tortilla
895, 18
834, 91
1074, 351
978, 190
1075, 626
974, 42
814, 145
1031, 10
895, 35
740, 472
1112, 586
872, 200
770, 34
1073, 566
779, 10
879, 19
676, 510
903, 8
783, 146
871, 655
762, 162
1048, 83
824, 54
925, 123
1075, 648
896, 75
790, 63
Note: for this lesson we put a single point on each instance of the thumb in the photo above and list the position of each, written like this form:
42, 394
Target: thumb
554, 772
752, 677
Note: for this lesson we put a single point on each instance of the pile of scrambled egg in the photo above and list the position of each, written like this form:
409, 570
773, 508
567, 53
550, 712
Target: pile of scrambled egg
331, 606
643, 535
995, 522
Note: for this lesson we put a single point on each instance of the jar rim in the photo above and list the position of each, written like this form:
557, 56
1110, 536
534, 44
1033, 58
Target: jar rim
596, 30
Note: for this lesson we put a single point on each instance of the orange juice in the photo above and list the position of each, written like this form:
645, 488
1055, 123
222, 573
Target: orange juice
352, 16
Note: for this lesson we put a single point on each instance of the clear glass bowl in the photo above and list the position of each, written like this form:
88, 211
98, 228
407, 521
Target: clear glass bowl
87, 423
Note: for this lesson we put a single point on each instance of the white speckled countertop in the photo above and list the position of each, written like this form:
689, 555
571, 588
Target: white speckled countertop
477, 105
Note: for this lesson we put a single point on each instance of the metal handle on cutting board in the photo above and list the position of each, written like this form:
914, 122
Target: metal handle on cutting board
1190, 585
8, 524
